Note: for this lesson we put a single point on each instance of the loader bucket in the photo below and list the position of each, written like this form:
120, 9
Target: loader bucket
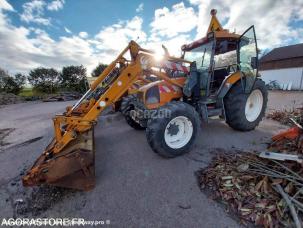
73, 167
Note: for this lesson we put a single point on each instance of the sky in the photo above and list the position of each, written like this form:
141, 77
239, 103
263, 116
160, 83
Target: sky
56, 33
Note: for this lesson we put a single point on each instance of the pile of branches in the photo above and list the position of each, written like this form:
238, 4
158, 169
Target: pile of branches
283, 116
9, 98
260, 191
64, 96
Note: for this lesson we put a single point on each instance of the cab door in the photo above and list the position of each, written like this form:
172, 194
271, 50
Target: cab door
248, 58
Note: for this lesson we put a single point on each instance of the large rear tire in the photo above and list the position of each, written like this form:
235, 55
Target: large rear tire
245, 111
127, 105
173, 130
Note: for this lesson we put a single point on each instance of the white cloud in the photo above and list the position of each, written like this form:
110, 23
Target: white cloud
26, 48
4, 5
83, 35
140, 8
67, 30
271, 18
114, 38
171, 27
172, 44
169, 23
33, 12
55, 5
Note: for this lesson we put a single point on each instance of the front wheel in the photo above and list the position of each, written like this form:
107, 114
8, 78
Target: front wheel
127, 105
174, 129
245, 111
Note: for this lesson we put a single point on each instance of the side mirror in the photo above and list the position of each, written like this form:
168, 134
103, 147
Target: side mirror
254, 62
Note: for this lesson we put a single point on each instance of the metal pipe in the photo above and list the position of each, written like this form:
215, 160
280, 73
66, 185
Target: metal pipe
81, 99
107, 70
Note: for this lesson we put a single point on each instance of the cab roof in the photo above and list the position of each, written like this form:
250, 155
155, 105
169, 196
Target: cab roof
214, 29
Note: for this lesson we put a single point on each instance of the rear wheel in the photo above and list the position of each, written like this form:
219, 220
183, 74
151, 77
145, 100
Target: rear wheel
245, 111
127, 105
174, 129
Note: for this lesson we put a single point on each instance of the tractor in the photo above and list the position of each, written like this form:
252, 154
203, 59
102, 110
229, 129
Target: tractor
216, 75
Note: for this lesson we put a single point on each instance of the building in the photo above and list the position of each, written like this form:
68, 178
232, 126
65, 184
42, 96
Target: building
285, 66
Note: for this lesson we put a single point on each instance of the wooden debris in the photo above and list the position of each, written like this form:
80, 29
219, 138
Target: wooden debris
283, 116
66, 96
9, 98
246, 183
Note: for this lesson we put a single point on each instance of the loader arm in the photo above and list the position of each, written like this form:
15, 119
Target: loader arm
68, 161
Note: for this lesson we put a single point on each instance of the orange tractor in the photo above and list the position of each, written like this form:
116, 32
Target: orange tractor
216, 76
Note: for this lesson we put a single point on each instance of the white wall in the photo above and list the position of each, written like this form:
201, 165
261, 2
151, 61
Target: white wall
284, 76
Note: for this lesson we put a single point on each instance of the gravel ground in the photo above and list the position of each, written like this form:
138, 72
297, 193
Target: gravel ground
135, 187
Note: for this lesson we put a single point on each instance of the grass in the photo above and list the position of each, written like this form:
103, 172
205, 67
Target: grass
26, 92
30, 92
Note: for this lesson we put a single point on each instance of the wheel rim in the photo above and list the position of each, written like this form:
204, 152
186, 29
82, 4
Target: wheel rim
254, 105
178, 132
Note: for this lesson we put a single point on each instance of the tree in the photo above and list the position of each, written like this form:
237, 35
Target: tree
73, 78
99, 69
3, 76
11, 84
15, 84
20, 79
44, 79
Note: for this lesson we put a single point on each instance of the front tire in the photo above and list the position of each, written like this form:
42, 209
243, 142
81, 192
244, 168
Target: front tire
174, 129
245, 111
127, 105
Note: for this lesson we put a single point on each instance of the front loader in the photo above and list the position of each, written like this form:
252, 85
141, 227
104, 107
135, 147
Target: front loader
215, 76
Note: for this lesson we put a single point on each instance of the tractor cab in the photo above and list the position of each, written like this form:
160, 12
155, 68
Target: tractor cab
217, 56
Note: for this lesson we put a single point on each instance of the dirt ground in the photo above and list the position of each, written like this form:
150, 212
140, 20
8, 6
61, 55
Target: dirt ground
135, 187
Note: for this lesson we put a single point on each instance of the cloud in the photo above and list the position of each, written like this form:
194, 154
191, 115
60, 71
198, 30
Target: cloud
67, 30
55, 5
4, 5
140, 8
271, 18
172, 44
83, 34
33, 12
172, 27
169, 23
114, 38
26, 48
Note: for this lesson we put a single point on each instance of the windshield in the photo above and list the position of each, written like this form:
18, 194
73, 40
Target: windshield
202, 55
226, 59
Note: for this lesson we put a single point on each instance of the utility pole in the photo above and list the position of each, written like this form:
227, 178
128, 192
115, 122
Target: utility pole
301, 82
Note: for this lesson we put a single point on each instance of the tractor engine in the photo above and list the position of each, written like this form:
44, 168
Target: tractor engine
150, 97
